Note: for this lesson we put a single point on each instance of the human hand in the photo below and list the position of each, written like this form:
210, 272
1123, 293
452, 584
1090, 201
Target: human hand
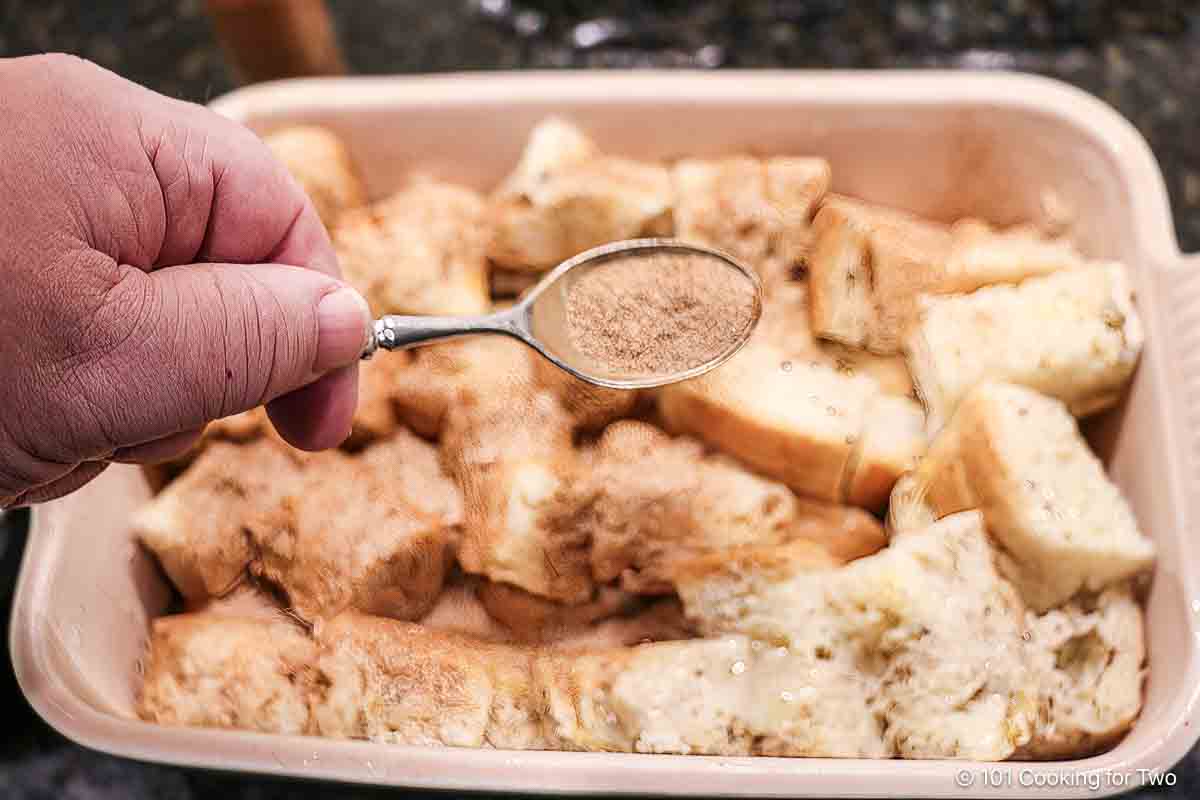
160, 270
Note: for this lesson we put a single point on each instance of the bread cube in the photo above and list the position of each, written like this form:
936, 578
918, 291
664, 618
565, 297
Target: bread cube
1073, 335
513, 457
800, 422
648, 501
397, 683
371, 534
1089, 657
757, 210
1018, 456
731, 696
196, 526
223, 671
564, 197
871, 265
896, 615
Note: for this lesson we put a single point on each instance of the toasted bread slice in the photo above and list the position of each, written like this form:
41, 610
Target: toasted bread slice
757, 210
804, 423
565, 197
420, 251
1073, 335
195, 526
321, 164
353, 534
1090, 658
895, 615
871, 265
224, 671
1018, 456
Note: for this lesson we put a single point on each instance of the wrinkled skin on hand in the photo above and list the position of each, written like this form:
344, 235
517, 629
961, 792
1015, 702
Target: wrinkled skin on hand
160, 270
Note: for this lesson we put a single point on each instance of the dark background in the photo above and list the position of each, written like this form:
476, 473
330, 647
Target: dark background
1143, 58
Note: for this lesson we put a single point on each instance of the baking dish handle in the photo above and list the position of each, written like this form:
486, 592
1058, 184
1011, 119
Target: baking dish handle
1177, 293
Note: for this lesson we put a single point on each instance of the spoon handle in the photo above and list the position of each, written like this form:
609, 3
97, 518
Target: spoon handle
397, 332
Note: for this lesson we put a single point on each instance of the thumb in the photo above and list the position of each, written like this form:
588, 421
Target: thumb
212, 340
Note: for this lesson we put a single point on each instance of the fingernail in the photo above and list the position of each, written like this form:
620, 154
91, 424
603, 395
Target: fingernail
343, 319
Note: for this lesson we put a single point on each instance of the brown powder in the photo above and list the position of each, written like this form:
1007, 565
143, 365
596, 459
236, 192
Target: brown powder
659, 314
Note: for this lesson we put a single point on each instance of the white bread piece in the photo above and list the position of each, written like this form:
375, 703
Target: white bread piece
398, 683
1018, 456
1090, 658
908, 509
224, 671
320, 162
801, 422
1073, 335
420, 251
928, 617
195, 526
1093, 652
758, 210
722, 696
513, 457
733, 696
564, 197
870, 265
350, 534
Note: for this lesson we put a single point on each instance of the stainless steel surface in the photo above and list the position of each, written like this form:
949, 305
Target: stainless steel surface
539, 320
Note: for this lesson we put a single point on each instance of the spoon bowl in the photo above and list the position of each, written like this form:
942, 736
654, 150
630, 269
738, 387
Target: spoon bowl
543, 318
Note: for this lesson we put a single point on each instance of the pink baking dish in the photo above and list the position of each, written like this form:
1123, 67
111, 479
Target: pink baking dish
1003, 147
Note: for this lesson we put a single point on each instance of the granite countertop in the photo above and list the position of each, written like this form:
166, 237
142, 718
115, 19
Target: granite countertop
1143, 58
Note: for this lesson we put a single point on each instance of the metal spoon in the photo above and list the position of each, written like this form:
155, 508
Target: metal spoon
540, 319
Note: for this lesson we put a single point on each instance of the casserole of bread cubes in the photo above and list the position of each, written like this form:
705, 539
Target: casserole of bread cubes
876, 532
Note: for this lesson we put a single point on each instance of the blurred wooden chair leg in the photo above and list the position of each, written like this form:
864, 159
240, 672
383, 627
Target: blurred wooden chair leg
269, 39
